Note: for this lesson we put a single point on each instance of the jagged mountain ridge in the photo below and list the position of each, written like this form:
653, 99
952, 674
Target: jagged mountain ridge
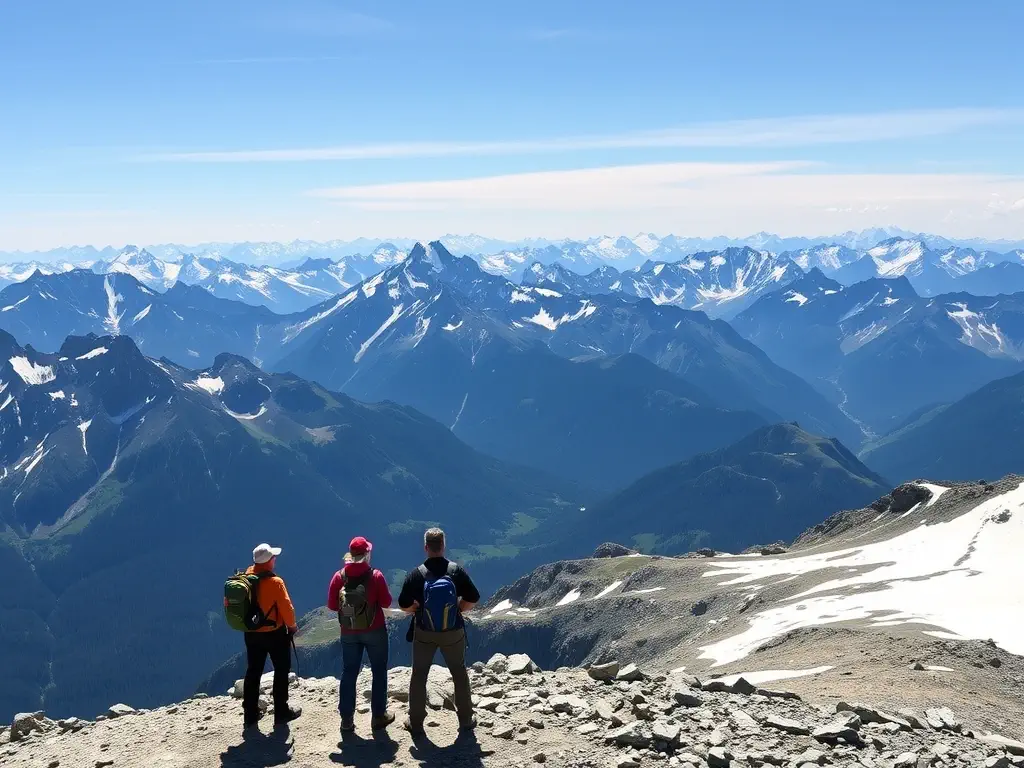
435, 301
719, 283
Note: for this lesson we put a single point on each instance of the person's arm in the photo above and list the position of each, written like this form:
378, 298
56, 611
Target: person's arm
383, 592
332, 592
285, 609
407, 597
469, 595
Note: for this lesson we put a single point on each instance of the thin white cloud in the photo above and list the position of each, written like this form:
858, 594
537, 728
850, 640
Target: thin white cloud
699, 198
763, 132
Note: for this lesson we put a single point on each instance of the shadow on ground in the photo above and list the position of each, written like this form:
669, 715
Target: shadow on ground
259, 750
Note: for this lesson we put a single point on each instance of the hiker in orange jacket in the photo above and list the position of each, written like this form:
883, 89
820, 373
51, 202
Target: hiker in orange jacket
272, 640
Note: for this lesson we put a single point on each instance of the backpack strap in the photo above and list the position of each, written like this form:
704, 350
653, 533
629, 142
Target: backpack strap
424, 571
267, 621
452, 568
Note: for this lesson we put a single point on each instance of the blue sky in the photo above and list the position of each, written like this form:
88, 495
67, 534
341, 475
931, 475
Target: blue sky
191, 121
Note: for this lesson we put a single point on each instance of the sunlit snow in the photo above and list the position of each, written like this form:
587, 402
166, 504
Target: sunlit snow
30, 372
212, 385
960, 577
769, 675
607, 590
571, 597
93, 353
542, 318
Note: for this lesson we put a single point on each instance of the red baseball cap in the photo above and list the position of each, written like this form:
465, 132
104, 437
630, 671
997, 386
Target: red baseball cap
359, 546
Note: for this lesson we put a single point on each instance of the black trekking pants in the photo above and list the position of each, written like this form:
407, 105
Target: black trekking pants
259, 645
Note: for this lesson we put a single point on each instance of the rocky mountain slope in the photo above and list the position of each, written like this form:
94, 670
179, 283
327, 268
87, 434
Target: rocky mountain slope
883, 351
118, 467
981, 435
607, 715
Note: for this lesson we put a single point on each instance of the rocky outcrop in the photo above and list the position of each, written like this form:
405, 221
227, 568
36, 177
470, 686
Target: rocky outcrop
611, 549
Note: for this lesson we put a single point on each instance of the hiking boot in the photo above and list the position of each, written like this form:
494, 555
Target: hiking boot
252, 720
348, 724
469, 725
289, 714
382, 721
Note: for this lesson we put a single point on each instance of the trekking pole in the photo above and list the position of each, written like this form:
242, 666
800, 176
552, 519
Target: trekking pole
295, 651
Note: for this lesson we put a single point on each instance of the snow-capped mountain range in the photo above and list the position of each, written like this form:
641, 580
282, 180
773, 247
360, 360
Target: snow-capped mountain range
282, 290
719, 283
884, 350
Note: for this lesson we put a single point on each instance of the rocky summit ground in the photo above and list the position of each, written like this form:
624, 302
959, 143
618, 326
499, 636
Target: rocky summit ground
608, 715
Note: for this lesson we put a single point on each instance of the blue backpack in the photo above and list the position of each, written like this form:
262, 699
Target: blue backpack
439, 610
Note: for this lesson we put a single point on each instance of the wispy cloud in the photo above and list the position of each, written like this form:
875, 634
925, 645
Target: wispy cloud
797, 131
700, 197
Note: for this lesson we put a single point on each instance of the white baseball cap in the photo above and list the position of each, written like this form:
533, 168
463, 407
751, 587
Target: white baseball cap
264, 553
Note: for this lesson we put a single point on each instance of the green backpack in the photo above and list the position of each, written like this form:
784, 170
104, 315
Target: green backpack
241, 602
355, 612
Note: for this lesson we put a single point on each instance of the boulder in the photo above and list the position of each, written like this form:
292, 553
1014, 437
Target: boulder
773, 693
604, 671
687, 699
871, 715
666, 732
719, 757
498, 663
629, 673
744, 687
837, 731
635, 734
605, 711
567, 703
611, 549
1001, 742
942, 719
26, 723
786, 725
742, 719
521, 664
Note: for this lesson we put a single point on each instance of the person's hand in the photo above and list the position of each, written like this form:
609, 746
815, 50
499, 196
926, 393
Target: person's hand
293, 630
412, 608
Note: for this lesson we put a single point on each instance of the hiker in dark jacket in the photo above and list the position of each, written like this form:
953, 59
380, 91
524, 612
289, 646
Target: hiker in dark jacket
359, 594
437, 593
272, 640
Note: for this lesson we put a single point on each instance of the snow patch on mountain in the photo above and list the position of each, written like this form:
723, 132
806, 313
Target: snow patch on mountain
211, 384
958, 576
93, 353
542, 318
395, 314
31, 373
112, 322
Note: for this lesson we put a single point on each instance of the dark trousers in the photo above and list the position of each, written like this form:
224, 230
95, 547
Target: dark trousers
259, 645
452, 645
375, 643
